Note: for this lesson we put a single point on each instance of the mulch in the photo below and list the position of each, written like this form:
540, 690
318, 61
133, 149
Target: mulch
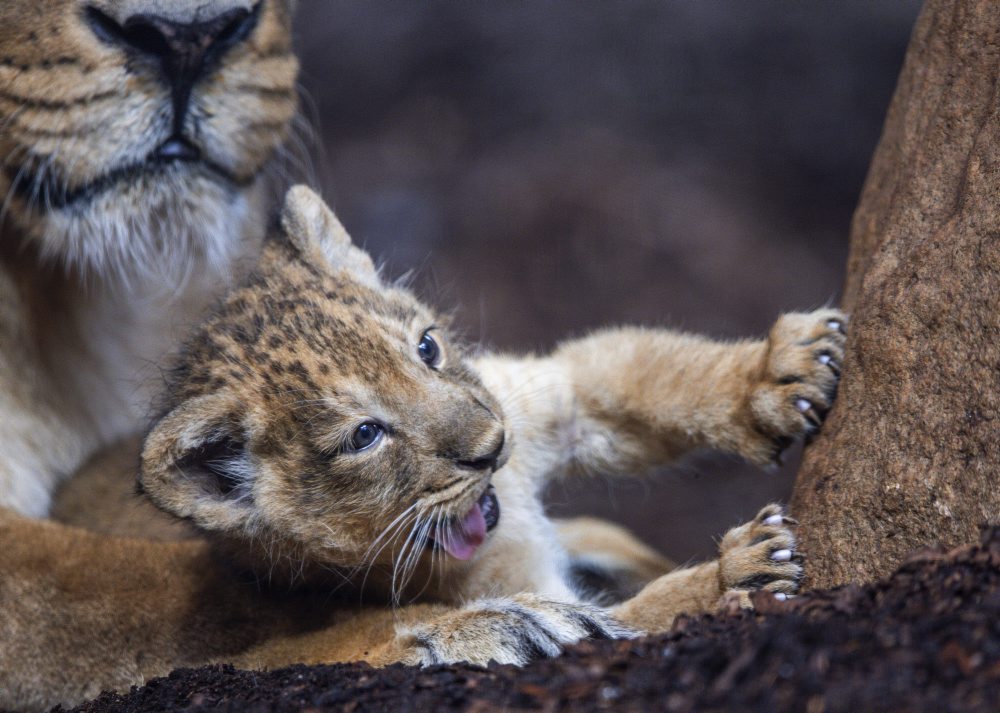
925, 639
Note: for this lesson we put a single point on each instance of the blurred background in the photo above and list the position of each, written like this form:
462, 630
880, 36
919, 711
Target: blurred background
551, 167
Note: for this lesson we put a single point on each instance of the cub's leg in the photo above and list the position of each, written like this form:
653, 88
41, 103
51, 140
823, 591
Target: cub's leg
759, 555
515, 630
608, 564
648, 396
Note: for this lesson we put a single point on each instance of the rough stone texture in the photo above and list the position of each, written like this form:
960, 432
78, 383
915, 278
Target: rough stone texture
911, 453
928, 639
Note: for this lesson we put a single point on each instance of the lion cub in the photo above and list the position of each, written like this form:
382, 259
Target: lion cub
326, 429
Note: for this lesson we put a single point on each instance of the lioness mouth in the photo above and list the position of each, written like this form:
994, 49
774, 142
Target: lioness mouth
46, 190
463, 536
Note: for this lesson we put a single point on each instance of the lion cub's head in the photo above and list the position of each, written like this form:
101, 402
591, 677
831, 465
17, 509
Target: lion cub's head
137, 131
325, 417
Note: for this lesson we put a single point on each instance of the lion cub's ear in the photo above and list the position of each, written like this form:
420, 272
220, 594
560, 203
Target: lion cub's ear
196, 465
320, 238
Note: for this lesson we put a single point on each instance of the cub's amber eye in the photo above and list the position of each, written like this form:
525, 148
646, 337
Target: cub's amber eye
365, 436
429, 351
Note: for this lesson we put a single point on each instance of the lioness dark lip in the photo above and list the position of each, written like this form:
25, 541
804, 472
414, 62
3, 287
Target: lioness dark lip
178, 148
49, 193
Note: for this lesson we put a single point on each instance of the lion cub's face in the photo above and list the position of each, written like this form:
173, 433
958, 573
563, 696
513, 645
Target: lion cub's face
120, 117
327, 416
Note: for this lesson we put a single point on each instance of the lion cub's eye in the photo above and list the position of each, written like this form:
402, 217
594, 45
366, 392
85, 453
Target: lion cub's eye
365, 436
429, 351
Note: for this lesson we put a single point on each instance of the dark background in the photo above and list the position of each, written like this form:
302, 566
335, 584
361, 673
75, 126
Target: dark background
551, 167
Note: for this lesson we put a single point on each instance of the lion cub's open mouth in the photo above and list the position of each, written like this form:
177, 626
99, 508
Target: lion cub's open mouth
462, 536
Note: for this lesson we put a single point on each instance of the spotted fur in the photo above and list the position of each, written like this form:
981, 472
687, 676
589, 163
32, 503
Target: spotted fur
267, 393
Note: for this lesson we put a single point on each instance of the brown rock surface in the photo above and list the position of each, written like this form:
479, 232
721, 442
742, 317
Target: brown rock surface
911, 454
928, 638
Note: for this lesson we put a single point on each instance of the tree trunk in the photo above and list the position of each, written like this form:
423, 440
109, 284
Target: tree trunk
911, 453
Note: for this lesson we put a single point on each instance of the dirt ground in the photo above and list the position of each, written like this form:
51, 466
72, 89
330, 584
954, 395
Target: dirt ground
926, 638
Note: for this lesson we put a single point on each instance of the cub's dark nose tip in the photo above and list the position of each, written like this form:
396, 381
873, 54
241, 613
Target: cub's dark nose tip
485, 462
182, 49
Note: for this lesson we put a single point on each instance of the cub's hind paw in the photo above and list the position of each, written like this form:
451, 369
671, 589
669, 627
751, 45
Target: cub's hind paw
513, 630
761, 555
799, 381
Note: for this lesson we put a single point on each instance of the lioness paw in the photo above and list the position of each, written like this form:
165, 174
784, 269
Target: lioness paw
513, 630
799, 380
761, 555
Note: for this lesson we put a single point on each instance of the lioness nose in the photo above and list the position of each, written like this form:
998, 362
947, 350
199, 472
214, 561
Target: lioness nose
487, 460
183, 50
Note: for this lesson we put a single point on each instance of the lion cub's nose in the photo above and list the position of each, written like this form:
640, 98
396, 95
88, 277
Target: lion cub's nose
488, 460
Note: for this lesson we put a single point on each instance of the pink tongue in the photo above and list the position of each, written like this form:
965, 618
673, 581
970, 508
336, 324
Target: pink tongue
462, 542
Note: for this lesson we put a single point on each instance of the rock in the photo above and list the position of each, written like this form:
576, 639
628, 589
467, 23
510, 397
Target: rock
911, 453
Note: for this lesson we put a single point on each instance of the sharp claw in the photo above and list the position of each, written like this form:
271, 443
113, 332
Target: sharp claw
781, 555
780, 596
775, 520
836, 325
826, 359
803, 405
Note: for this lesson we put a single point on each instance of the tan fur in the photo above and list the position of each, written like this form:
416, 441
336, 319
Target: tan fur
607, 560
253, 450
84, 613
101, 497
106, 258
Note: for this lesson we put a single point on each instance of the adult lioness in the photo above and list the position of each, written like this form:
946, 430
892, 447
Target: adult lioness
324, 425
134, 137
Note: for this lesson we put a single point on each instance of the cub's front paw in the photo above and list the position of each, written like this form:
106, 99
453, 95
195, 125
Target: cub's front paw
514, 630
761, 555
799, 379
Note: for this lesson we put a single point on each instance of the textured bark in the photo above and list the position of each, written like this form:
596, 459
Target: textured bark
911, 453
